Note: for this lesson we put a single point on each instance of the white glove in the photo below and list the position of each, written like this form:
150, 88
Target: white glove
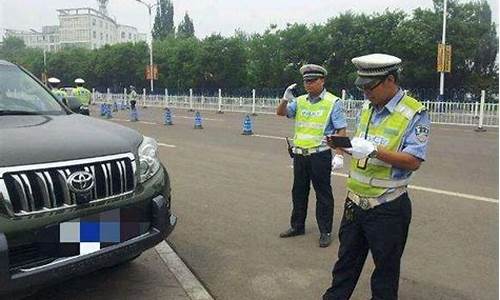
361, 148
288, 95
337, 162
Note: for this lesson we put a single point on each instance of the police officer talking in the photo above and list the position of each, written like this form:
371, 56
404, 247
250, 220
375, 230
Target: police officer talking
55, 89
317, 114
83, 94
389, 144
132, 97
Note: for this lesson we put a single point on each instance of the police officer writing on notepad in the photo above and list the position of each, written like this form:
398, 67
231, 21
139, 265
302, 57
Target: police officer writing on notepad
317, 114
389, 144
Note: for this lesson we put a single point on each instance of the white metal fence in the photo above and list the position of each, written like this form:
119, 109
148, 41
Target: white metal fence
453, 113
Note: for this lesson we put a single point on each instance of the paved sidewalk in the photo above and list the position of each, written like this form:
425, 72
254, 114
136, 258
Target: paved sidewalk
147, 277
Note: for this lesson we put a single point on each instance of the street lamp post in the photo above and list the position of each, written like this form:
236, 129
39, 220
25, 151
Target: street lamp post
150, 8
443, 41
45, 75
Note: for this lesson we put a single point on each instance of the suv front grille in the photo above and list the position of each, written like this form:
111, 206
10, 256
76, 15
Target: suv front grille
40, 188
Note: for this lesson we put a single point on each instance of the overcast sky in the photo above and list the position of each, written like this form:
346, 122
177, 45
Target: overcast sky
209, 16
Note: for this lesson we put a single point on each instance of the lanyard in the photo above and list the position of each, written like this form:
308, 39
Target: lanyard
369, 121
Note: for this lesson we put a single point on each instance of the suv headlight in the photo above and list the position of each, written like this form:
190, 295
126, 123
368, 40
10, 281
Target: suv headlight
149, 163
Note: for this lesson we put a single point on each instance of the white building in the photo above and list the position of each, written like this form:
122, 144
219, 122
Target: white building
79, 27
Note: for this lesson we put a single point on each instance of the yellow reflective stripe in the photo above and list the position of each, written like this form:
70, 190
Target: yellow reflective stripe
379, 182
405, 111
378, 162
303, 136
311, 125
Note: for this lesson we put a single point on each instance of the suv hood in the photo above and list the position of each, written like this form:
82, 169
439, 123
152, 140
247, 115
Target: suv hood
40, 139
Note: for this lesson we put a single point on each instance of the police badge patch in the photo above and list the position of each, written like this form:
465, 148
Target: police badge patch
422, 133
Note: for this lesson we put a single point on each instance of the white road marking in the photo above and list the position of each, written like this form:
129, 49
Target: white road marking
203, 118
192, 286
454, 194
143, 122
155, 123
437, 191
167, 145
270, 137
414, 187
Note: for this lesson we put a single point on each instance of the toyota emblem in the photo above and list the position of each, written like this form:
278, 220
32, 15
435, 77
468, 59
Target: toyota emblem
81, 182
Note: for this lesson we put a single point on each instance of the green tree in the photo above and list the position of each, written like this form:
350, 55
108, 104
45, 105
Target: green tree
164, 20
72, 63
186, 27
121, 65
178, 70
11, 47
223, 62
266, 63
272, 59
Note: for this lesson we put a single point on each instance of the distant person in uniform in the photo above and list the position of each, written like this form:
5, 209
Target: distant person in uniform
54, 84
389, 144
317, 114
132, 97
83, 94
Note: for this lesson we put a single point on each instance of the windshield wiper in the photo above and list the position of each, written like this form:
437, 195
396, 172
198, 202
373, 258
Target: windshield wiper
18, 113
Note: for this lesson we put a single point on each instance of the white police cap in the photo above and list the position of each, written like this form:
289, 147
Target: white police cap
376, 65
79, 80
373, 66
312, 71
53, 80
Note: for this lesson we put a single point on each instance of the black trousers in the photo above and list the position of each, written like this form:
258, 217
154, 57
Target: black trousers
316, 168
383, 231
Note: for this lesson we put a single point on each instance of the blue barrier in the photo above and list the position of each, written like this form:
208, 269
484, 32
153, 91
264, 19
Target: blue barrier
247, 126
108, 114
103, 109
167, 116
198, 121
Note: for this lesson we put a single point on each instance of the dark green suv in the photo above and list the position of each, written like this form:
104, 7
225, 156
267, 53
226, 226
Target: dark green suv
76, 193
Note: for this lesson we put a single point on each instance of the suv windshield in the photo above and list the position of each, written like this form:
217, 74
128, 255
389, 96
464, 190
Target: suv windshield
21, 94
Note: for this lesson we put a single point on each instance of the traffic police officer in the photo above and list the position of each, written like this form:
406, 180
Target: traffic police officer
389, 144
317, 114
54, 85
83, 94
132, 97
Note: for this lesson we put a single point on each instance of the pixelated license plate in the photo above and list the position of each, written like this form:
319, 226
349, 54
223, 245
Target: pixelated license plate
91, 233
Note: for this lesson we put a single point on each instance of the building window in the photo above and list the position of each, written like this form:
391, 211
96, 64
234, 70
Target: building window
102, 35
93, 22
129, 36
123, 35
94, 35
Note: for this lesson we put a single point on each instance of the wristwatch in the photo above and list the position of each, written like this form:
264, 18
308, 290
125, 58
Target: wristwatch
373, 154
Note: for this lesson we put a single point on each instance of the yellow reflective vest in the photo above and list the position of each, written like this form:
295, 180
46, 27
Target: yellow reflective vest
370, 177
311, 120
60, 94
83, 95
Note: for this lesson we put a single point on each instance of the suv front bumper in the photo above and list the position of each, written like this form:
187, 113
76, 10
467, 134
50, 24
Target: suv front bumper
161, 227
